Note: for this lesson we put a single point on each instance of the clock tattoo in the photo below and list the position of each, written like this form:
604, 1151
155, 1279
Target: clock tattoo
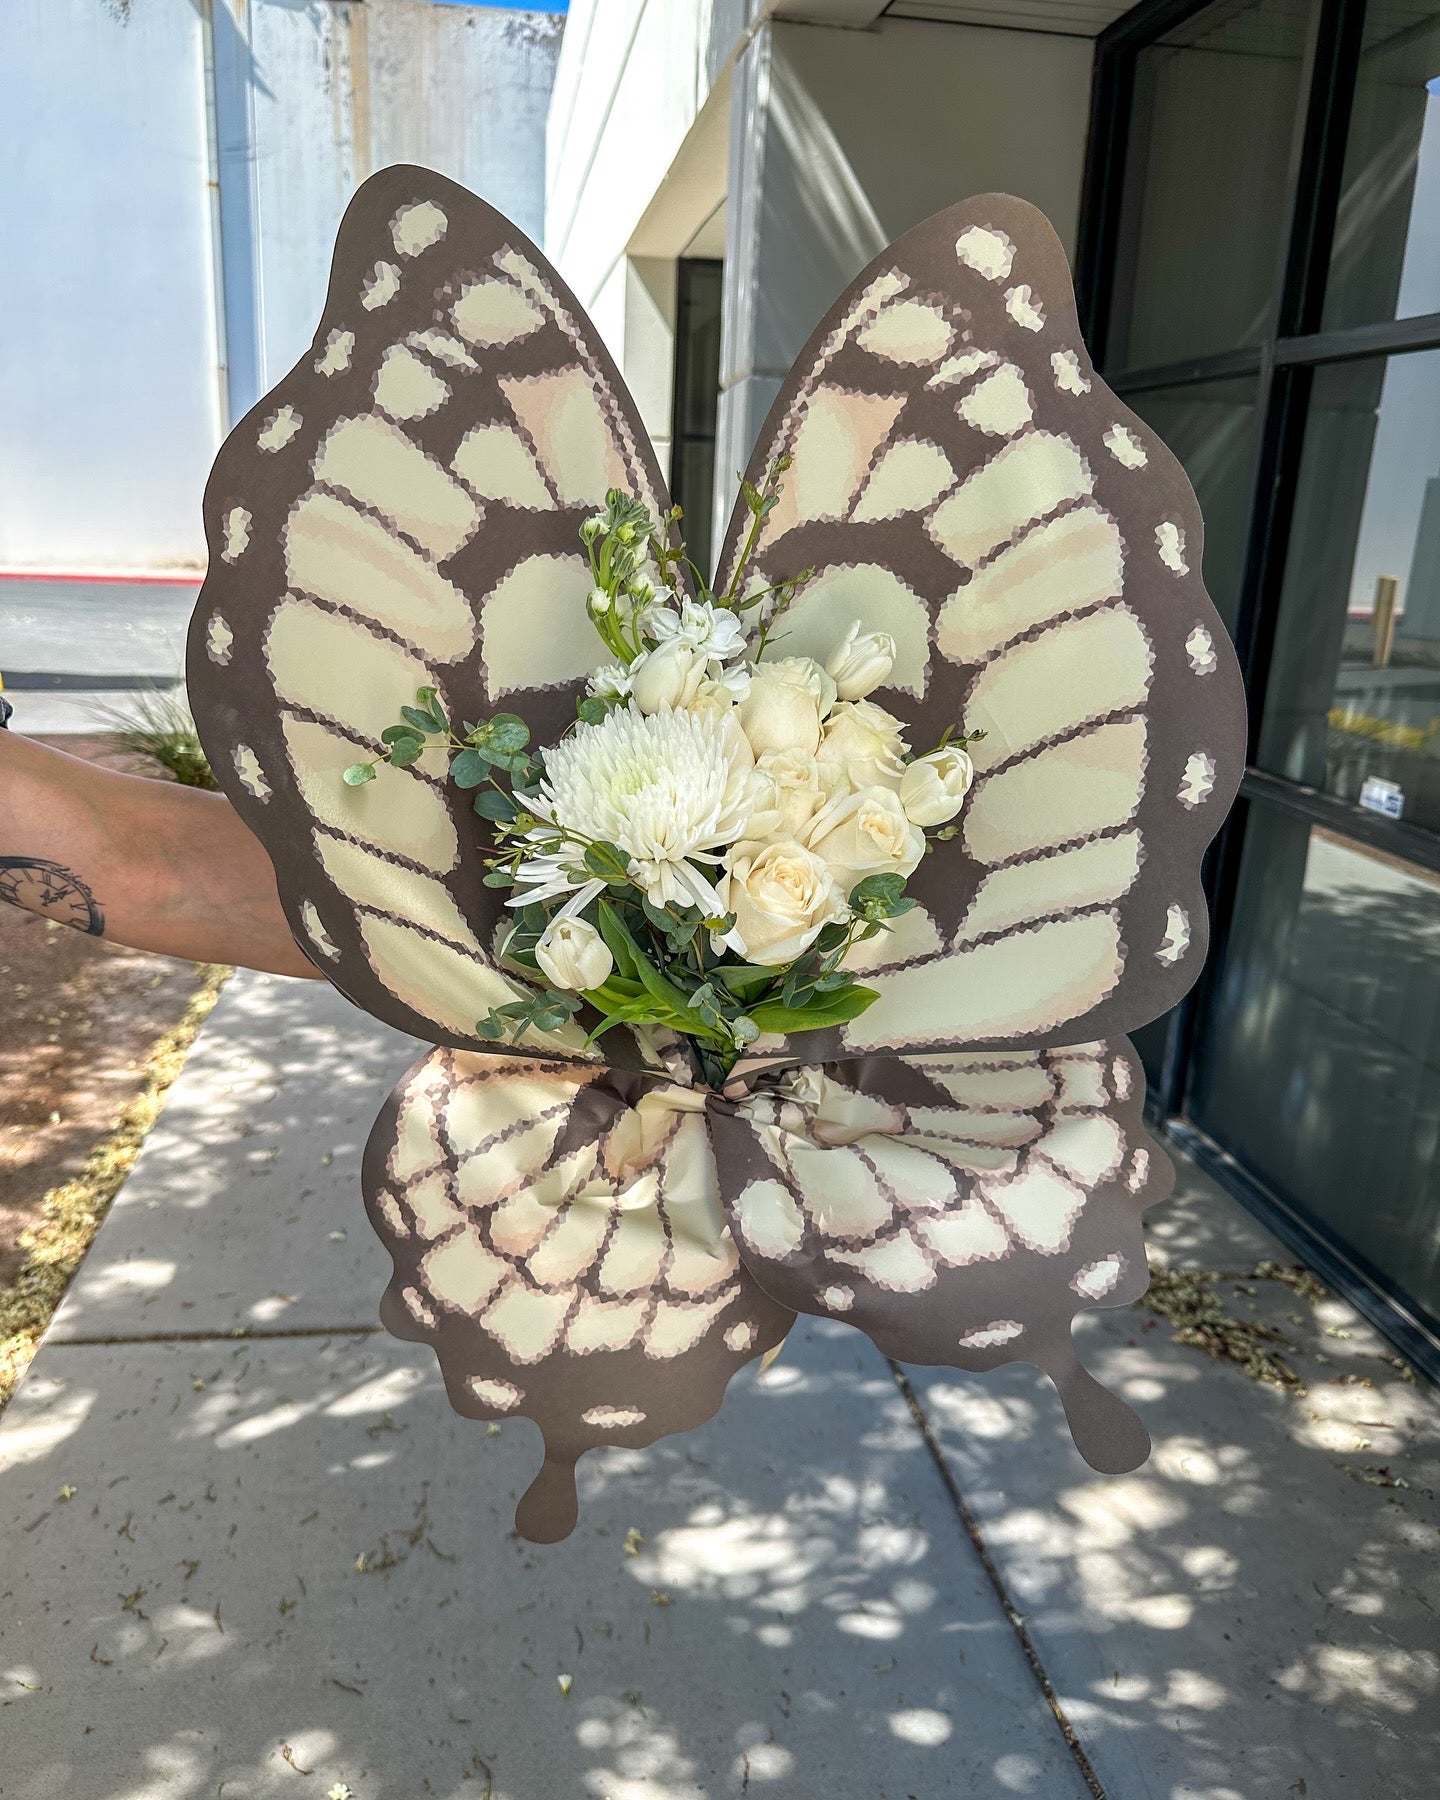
52, 891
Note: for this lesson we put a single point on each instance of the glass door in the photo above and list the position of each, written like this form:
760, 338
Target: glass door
1271, 306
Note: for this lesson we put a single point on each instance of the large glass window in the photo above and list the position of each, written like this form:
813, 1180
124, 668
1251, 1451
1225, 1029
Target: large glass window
1386, 258
1208, 175
1322, 1061
1212, 426
1264, 195
1354, 692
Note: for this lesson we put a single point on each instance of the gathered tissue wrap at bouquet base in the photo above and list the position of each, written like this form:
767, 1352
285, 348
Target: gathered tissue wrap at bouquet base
587, 1234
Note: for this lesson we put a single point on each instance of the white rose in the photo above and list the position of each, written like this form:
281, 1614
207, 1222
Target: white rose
865, 834
573, 955
785, 704
782, 896
795, 788
864, 740
933, 787
670, 675
862, 662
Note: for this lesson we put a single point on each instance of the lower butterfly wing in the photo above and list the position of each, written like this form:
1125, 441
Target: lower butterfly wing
403, 510
565, 1254
959, 1208
964, 480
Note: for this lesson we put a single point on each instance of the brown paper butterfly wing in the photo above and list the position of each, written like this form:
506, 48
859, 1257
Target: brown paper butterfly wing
964, 480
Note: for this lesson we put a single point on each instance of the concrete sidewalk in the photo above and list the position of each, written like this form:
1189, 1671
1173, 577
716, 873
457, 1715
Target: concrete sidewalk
285, 1563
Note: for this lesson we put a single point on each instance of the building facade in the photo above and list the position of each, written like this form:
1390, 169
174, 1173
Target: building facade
1251, 193
172, 174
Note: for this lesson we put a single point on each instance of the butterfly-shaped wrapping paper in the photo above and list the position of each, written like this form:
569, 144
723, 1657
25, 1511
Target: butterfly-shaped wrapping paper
592, 1240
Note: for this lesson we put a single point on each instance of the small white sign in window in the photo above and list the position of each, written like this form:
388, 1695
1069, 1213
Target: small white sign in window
1381, 796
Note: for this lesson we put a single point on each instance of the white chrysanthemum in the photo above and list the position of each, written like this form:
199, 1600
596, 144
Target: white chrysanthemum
670, 789
710, 631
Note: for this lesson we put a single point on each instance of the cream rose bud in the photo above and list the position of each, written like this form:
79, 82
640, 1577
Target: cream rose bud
670, 675
782, 896
864, 741
862, 662
933, 787
784, 706
572, 954
865, 834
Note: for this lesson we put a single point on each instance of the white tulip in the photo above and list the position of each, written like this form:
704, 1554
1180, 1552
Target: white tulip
573, 955
865, 741
671, 675
782, 896
862, 662
865, 834
933, 787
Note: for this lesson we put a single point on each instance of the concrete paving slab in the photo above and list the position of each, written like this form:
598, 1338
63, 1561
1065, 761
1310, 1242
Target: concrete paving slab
1256, 1612
244, 1207
284, 1564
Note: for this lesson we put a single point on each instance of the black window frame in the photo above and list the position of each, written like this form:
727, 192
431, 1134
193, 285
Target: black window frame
1284, 365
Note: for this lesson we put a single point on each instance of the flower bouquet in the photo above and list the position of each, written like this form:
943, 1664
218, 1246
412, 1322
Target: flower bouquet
705, 848
772, 936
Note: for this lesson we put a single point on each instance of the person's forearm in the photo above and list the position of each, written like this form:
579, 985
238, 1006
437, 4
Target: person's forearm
146, 863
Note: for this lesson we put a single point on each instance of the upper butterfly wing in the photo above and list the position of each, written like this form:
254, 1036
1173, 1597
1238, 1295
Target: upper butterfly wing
963, 479
403, 509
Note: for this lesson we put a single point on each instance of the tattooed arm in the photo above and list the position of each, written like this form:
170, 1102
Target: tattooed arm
146, 863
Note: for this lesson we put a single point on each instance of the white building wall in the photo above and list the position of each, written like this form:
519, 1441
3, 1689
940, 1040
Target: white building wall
109, 364
140, 309
840, 140
827, 141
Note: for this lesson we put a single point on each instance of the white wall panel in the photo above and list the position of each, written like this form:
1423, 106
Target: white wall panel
109, 379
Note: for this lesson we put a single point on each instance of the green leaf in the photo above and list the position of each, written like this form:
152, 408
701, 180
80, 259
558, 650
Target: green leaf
607, 862
428, 701
393, 733
621, 944
591, 710
742, 980
492, 1028
492, 804
358, 774
507, 732
836, 1009
405, 751
469, 769
422, 721
499, 878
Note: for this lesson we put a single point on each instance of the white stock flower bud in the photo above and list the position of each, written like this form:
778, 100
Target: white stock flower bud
862, 662
573, 955
933, 787
599, 600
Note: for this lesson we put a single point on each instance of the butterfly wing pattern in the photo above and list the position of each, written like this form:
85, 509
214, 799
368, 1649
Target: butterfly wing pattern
404, 509
595, 1243
964, 480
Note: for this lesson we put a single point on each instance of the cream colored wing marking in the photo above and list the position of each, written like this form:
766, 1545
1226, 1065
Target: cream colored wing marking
565, 1254
404, 510
960, 1209
963, 479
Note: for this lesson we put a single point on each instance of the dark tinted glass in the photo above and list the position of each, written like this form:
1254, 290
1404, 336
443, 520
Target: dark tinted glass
1321, 1068
1353, 702
1213, 428
1207, 182
697, 401
1385, 262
